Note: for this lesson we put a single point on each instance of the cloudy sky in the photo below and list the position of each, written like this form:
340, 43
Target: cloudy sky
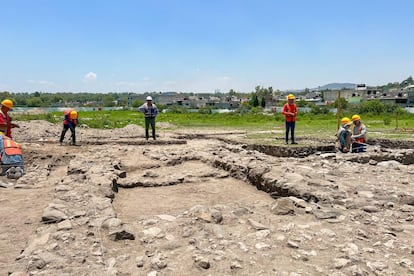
202, 46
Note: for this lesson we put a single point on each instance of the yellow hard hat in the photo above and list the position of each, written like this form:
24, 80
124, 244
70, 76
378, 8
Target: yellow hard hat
291, 97
345, 121
73, 114
356, 118
7, 103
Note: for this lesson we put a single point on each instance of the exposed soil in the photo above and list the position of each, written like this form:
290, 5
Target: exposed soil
204, 203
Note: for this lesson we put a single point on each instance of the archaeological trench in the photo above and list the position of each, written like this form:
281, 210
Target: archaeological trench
205, 203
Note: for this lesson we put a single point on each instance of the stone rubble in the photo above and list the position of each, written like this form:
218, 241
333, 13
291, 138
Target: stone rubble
326, 214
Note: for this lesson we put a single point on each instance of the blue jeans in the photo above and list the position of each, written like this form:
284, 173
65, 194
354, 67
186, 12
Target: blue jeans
357, 147
290, 126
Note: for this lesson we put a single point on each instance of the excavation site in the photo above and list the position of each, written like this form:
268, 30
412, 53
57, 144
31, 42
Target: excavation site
205, 202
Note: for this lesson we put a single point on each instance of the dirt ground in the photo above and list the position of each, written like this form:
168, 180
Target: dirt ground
204, 202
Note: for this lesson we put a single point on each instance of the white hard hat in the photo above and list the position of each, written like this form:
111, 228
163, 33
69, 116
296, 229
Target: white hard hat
149, 98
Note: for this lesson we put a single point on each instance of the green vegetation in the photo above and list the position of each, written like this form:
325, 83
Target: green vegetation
309, 124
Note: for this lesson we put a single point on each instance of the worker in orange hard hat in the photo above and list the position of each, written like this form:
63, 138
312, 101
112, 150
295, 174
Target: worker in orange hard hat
290, 111
358, 134
5, 120
70, 120
343, 136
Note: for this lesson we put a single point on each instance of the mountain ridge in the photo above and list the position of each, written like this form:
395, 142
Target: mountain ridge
336, 86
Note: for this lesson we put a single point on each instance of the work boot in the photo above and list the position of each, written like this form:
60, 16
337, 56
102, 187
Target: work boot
294, 143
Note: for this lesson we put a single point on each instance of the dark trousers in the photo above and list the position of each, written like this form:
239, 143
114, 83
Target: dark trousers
290, 126
65, 129
149, 122
357, 147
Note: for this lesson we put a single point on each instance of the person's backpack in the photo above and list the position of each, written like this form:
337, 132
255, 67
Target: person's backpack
11, 158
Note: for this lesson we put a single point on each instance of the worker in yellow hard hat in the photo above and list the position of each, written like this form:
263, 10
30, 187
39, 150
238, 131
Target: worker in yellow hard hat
358, 134
70, 120
290, 111
5, 120
343, 136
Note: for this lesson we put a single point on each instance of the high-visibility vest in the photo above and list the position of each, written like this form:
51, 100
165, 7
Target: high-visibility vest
3, 128
359, 130
11, 147
67, 118
290, 108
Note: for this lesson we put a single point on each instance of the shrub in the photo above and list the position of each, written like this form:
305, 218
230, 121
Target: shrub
387, 121
204, 110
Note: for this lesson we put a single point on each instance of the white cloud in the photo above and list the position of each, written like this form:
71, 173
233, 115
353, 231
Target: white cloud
90, 77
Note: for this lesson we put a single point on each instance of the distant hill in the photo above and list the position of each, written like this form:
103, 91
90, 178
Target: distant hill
336, 86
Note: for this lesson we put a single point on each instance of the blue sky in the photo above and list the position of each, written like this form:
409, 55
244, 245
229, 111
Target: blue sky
202, 45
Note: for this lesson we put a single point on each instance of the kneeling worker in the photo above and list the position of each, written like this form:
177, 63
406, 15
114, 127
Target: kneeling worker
358, 135
344, 135
70, 120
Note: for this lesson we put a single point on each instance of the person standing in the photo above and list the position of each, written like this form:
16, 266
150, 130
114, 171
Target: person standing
358, 134
290, 111
5, 120
150, 111
70, 120
343, 135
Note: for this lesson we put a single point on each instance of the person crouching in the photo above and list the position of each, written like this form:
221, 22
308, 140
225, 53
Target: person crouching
343, 136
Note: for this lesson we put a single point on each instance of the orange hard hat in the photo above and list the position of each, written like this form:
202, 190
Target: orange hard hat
7, 103
356, 118
73, 114
345, 121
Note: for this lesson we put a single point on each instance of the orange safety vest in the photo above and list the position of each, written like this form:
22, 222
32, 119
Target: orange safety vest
11, 147
4, 128
67, 118
290, 108
360, 139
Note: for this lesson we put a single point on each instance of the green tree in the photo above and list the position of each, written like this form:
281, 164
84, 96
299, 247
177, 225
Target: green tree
374, 106
232, 93
343, 102
137, 103
108, 100
398, 112
263, 102
254, 101
35, 102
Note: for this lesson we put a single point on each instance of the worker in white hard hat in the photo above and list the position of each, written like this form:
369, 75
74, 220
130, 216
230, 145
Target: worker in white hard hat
5, 120
150, 111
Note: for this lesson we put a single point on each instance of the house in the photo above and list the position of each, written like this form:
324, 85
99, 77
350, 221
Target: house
409, 90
